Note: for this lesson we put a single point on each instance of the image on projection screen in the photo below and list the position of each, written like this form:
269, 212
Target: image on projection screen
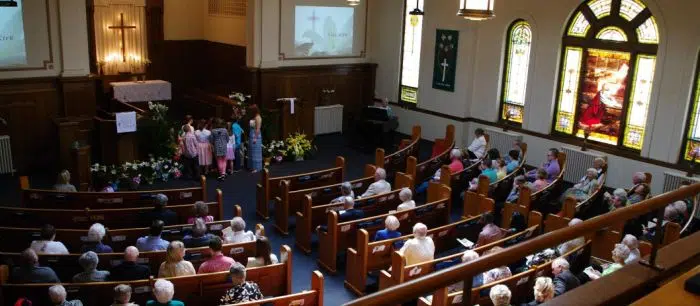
12, 47
323, 31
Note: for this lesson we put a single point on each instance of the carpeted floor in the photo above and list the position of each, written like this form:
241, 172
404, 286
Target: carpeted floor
240, 189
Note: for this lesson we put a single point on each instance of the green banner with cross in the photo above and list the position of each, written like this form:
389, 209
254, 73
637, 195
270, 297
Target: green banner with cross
444, 68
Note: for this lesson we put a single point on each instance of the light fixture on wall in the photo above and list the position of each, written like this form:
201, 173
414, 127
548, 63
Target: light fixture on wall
476, 9
353, 2
416, 11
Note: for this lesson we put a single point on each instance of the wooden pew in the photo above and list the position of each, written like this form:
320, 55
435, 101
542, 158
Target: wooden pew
270, 187
113, 218
425, 170
312, 216
500, 189
290, 202
313, 297
200, 289
397, 161
340, 236
595, 196
460, 180
536, 199
42, 198
401, 273
18, 239
475, 203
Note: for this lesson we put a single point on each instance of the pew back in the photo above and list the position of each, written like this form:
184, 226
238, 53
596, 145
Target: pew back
397, 161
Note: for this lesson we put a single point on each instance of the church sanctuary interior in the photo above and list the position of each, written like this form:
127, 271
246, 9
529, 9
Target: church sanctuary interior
349, 152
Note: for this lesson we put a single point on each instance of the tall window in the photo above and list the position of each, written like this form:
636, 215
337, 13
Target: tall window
692, 145
410, 60
607, 72
517, 59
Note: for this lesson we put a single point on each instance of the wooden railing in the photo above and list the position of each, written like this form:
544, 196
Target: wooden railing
465, 272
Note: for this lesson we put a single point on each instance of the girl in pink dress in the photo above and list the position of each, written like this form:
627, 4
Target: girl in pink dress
203, 145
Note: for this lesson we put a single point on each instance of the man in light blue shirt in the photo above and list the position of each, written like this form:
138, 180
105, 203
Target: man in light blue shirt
153, 242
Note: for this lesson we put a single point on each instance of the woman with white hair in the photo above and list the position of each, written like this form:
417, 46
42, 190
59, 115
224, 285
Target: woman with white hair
163, 291
500, 295
175, 264
584, 188
633, 244
237, 233
478, 279
455, 165
94, 243
497, 273
242, 291
88, 262
63, 182
406, 196
619, 254
122, 296
682, 209
420, 248
57, 294
345, 191
543, 290
574, 243
390, 231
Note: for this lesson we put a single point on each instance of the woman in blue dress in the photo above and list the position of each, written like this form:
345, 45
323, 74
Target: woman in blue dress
255, 140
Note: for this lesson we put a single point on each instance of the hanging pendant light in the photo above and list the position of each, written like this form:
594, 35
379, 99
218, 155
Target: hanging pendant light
353, 2
476, 9
416, 11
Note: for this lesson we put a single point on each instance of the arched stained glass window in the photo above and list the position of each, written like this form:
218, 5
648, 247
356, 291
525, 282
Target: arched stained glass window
607, 74
517, 59
410, 56
691, 150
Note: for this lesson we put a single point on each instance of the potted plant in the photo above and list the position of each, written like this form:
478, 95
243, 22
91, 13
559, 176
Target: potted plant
298, 146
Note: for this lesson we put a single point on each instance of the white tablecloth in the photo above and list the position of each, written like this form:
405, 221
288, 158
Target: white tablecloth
154, 90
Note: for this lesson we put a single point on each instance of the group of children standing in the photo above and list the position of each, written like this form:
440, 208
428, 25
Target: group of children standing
211, 140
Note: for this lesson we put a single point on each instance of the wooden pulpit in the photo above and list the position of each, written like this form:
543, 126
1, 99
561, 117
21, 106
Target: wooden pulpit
115, 148
80, 169
300, 120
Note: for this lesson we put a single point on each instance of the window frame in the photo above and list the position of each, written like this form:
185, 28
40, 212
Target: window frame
400, 101
506, 66
694, 98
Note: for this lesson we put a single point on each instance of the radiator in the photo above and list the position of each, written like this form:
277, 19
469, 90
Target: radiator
328, 119
503, 141
577, 162
672, 180
6, 155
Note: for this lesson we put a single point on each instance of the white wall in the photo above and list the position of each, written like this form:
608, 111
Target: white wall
480, 58
225, 30
190, 20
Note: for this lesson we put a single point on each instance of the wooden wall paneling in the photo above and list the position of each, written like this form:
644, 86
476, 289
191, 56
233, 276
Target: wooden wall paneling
79, 96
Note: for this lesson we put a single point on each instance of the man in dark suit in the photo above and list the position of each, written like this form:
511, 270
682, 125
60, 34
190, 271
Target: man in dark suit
564, 280
129, 269
159, 212
350, 213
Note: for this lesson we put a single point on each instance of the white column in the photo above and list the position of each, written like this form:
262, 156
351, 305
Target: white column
73, 29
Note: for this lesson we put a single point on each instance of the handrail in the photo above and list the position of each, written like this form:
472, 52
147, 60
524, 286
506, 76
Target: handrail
410, 290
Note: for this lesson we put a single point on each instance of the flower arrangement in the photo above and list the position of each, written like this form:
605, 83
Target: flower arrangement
240, 107
276, 149
298, 146
132, 173
158, 111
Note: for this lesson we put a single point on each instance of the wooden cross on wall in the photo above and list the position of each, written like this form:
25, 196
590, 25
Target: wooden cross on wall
121, 27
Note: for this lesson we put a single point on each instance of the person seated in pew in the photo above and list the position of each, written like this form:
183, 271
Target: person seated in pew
129, 269
420, 248
199, 236
406, 196
633, 244
236, 233
500, 295
648, 232
175, 263
29, 270
153, 242
477, 280
58, 297
598, 164
263, 254
159, 212
541, 182
345, 191
201, 211
242, 290
455, 165
477, 148
497, 273
63, 182
163, 291
638, 178
564, 280
47, 245
617, 200
639, 193
518, 183
619, 254
500, 167
512, 161
101, 184
682, 210
379, 186
487, 169
551, 167
390, 231
490, 232
89, 261
122, 296
349, 212
94, 243
584, 188
218, 261
574, 243
543, 291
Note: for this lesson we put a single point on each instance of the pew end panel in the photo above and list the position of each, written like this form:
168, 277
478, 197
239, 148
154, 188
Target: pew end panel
437, 192
328, 244
237, 211
304, 228
603, 243
555, 222
476, 204
356, 264
391, 278
568, 209
445, 175
402, 180
203, 185
282, 209
220, 200
411, 166
370, 170
379, 156
260, 206
483, 183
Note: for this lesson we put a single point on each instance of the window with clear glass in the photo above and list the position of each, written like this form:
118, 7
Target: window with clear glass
691, 150
606, 79
516, 69
410, 62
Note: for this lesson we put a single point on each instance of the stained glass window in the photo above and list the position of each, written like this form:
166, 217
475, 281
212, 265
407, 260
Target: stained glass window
612, 33
601, 8
605, 92
692, 146
580, 26
410, 64
517, 63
